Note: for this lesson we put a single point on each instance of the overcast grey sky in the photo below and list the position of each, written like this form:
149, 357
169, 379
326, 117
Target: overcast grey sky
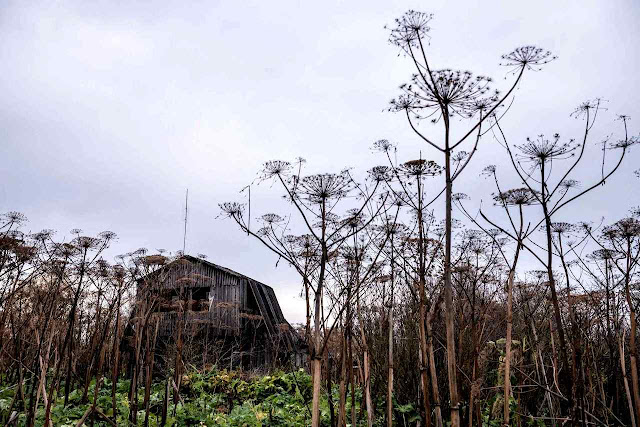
110, 110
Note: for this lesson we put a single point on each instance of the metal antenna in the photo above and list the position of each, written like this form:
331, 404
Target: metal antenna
248, 187
186, 216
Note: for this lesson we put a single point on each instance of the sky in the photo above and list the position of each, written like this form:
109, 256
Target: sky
110, 110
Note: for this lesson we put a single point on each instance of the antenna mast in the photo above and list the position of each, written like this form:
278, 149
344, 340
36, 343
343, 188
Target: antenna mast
186, 216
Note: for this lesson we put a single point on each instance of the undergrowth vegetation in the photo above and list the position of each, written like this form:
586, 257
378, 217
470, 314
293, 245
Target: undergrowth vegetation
225, 398
212, 398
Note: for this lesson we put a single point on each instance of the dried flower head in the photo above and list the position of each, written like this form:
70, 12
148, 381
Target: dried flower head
394, 228
460, 92
43, 235
459, 156
263, 232
562, 228
404, 102
605, 255
322, 187
271, 218
305, 246
274, 168
107, 236
64, 250
383, 145
624, 143
527, 57
542, 150
12, 218
516, 197
587, 108
232, 209
626, 228
489, 170
354, 219
140, 252
86, 242
381, 173
409, 29
420, 167
568, 184
331, 220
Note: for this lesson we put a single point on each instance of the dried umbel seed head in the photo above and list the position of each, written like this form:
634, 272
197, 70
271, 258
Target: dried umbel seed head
383, 145
406, 102
331, 220
140, 252
627, 228
409, 29
86, 242
482, 106
489, 170
624, 143
494, 232
153, 260
231, 209
568, 184
65, 250
517, 197
354, 219
263, 232
326, 186
271, 218
381, 173
458, 197
394, 229
43, 235
459, 156
530, 57
562, 228
12, 218
460, 92
107, 236
586, 108
275, 168
605, 255
542, 149
420, 167
585, 227
475, 241
399, 200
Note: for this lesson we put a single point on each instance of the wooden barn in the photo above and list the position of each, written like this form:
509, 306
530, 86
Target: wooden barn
235, 317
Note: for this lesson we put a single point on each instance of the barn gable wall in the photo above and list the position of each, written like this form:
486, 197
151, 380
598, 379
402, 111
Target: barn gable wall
219, 298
